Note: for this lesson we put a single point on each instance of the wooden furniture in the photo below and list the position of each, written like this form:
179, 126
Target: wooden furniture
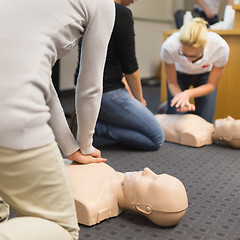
228, 96
237, 16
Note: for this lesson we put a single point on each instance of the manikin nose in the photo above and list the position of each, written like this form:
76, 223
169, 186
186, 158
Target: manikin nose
148, 172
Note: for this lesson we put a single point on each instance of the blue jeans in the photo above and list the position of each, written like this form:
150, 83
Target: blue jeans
205, 105
124, 119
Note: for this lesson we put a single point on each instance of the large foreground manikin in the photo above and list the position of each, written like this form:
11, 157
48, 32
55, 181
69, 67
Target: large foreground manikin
192, 130
100, 193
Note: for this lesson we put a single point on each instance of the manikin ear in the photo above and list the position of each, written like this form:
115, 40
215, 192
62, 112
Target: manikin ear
146, 209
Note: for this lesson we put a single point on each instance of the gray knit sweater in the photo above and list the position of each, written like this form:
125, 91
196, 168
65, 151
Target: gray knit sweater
33, 35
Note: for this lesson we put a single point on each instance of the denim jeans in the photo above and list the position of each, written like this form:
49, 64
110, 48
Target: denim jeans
205, 105
124, 119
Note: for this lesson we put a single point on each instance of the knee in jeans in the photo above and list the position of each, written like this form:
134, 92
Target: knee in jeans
158, 141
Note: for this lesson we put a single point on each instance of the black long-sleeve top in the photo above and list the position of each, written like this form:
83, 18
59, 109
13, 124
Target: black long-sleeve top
121, 56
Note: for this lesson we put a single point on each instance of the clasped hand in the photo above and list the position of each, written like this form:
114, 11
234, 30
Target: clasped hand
94, 157
181, 102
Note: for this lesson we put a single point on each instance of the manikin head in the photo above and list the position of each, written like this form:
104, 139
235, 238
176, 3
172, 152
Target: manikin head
227, 130
161, 198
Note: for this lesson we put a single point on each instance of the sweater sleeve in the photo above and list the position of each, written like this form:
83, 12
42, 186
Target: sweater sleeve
89, 85
59, 125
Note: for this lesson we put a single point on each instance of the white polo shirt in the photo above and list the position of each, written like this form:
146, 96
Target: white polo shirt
216, 53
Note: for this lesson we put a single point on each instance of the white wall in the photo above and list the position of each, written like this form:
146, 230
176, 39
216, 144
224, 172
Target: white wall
156, 9
148, 43
151, 17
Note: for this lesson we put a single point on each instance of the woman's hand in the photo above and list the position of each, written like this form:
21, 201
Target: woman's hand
188, 107
181, 102
95, 157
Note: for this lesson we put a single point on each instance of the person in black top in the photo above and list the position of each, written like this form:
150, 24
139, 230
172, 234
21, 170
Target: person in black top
123, 115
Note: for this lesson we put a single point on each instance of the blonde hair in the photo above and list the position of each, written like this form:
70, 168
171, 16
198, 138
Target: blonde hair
194, 33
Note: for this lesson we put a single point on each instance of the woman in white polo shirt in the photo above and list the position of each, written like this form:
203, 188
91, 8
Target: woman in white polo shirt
193, 56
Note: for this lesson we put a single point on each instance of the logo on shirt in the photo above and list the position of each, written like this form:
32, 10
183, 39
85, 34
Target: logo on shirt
205, 66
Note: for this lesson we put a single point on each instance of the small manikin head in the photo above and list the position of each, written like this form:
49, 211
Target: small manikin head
161, 198
227, 130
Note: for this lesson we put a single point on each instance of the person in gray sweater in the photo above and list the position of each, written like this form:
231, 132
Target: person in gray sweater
33, 35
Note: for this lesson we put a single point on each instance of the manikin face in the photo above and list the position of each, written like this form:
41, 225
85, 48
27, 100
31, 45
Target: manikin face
150, 192
191, 53
228, 127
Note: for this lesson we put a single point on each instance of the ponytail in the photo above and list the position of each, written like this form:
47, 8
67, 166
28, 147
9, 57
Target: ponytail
194, 33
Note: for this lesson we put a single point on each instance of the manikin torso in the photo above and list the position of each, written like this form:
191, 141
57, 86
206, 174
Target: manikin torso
95, 194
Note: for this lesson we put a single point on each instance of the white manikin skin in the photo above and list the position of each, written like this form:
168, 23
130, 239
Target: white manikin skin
100, 193
192, 130
186, 129
227, 130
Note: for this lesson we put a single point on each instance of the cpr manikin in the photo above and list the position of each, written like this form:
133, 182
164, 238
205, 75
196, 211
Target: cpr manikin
186, 129
100, 193
192, 130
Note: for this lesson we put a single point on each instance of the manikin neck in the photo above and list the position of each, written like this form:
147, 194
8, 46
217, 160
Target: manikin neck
123, 201
217, 136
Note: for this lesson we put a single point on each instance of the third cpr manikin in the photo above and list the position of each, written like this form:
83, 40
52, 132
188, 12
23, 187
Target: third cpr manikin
192, 130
